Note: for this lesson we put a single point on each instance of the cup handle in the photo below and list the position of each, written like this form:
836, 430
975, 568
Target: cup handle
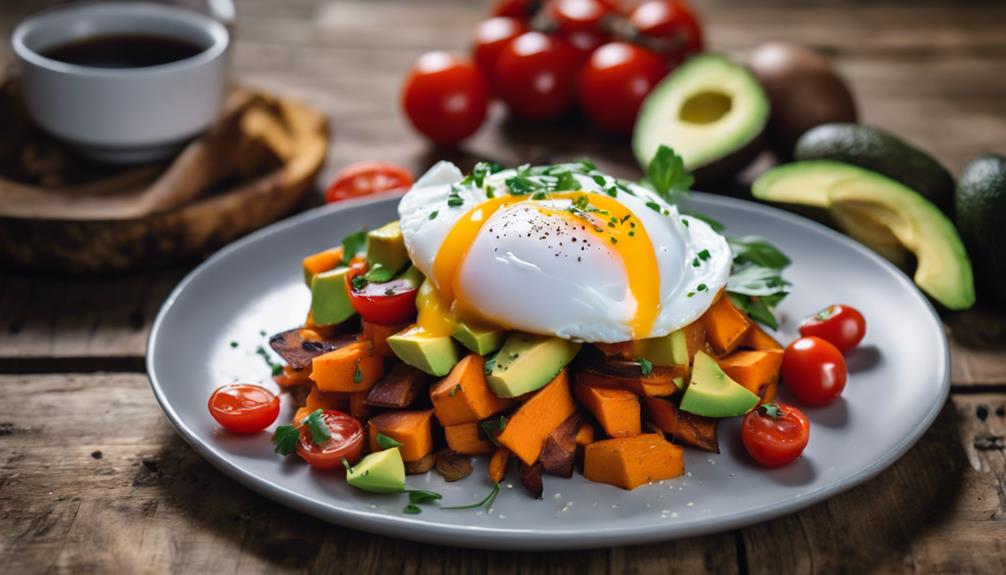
223, 11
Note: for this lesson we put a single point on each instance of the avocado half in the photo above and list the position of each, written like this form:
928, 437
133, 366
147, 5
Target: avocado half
711, 111
981, 217
882, 213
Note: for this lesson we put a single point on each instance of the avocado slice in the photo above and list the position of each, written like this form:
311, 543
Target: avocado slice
883, 153
434, 354
386, 253
330, 297
883, 214
981, 218
710, 110
527, 362
479, 339
711, 392
671, 349
379, 472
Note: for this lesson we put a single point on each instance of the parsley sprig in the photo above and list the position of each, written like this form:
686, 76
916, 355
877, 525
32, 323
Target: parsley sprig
756, 284
666, 175
286, 436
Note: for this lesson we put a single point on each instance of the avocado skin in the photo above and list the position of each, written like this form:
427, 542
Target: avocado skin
981, 218
877, 150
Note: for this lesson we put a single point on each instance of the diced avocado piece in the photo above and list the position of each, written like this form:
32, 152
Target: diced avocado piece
711, 392
671, 349
330, 297
710, 110
981, 218
883, 214
386, 253
478, 338
434, 354
379, 472
883, 153
412, 276
527, 362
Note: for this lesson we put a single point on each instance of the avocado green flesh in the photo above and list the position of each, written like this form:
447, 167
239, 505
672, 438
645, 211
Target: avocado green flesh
707, 109
880, 152
386, 248
479, 339
330, 297
433, 354
883, 214
526, 363
670, 350
379, 472
711, 392
981, 218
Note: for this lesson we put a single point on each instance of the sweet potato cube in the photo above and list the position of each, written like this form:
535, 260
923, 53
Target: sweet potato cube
378, 335
526, 431
756, 338
300, 414
398, 388
629, 462
465, 438
684, 427
321, 262
617, 410
413, 428
585, 434
725, 326
498, 464
355, 367
756, 370
659, 383
358, 407
463, 396
319, 399
559, 453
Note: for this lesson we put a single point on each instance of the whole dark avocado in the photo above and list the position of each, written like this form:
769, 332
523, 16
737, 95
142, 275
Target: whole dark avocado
882, 152
981, 219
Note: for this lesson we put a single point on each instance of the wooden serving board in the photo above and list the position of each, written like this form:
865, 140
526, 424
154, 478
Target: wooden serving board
61, 213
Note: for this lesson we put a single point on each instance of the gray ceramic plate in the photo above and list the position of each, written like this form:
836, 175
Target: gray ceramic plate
899, 381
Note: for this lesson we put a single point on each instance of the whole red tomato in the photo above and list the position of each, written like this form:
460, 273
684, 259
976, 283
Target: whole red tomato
535, 76
345, 441
841, 325
490, 38
775, 434
615, 81
445, 97
813, 370
244, 407
671, 24
366, 178
578, 15
520, 9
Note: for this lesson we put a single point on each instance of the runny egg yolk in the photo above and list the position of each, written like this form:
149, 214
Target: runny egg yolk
606, 218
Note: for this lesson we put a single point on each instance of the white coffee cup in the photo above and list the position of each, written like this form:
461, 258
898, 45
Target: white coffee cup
123, 115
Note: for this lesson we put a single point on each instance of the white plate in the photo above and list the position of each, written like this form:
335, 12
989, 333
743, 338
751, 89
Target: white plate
898, 382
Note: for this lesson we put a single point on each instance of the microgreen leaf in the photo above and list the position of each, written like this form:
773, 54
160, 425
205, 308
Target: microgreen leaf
285, 438
385, 442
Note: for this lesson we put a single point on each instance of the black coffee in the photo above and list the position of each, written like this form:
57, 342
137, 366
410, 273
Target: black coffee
124, 51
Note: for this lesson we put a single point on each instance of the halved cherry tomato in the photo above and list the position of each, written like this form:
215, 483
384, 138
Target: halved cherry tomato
535, 76
365, 178
244, 407
346, 441
490, 38
445, 97
813, 370
615, 81
775, 434
385, 303
672, 24
840, 325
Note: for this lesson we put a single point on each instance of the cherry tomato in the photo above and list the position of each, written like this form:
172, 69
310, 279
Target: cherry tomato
365, 178
671, 23
813, 370
386, 303
243, 407
520, 9
445, 97
775, 434
614, 83
346, 441
578, 15
535, 76
840, 325
490, 38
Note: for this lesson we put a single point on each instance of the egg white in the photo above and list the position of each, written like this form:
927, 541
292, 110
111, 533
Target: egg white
538, 274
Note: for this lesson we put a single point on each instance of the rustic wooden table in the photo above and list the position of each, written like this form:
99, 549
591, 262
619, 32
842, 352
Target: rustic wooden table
93, 478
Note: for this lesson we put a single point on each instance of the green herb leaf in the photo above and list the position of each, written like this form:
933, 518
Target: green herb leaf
412, 509
714, 224
359, 282
667, 175
234, 344
567, 182
423, 496
379, 274
755, 250
454, 201
454, 390
358, 373
490, 363
433, 214
277, 369
318, 428
285, 438
771, 410
487, 502
354, 244
756, 307
645, 365
385, 442
493, 427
